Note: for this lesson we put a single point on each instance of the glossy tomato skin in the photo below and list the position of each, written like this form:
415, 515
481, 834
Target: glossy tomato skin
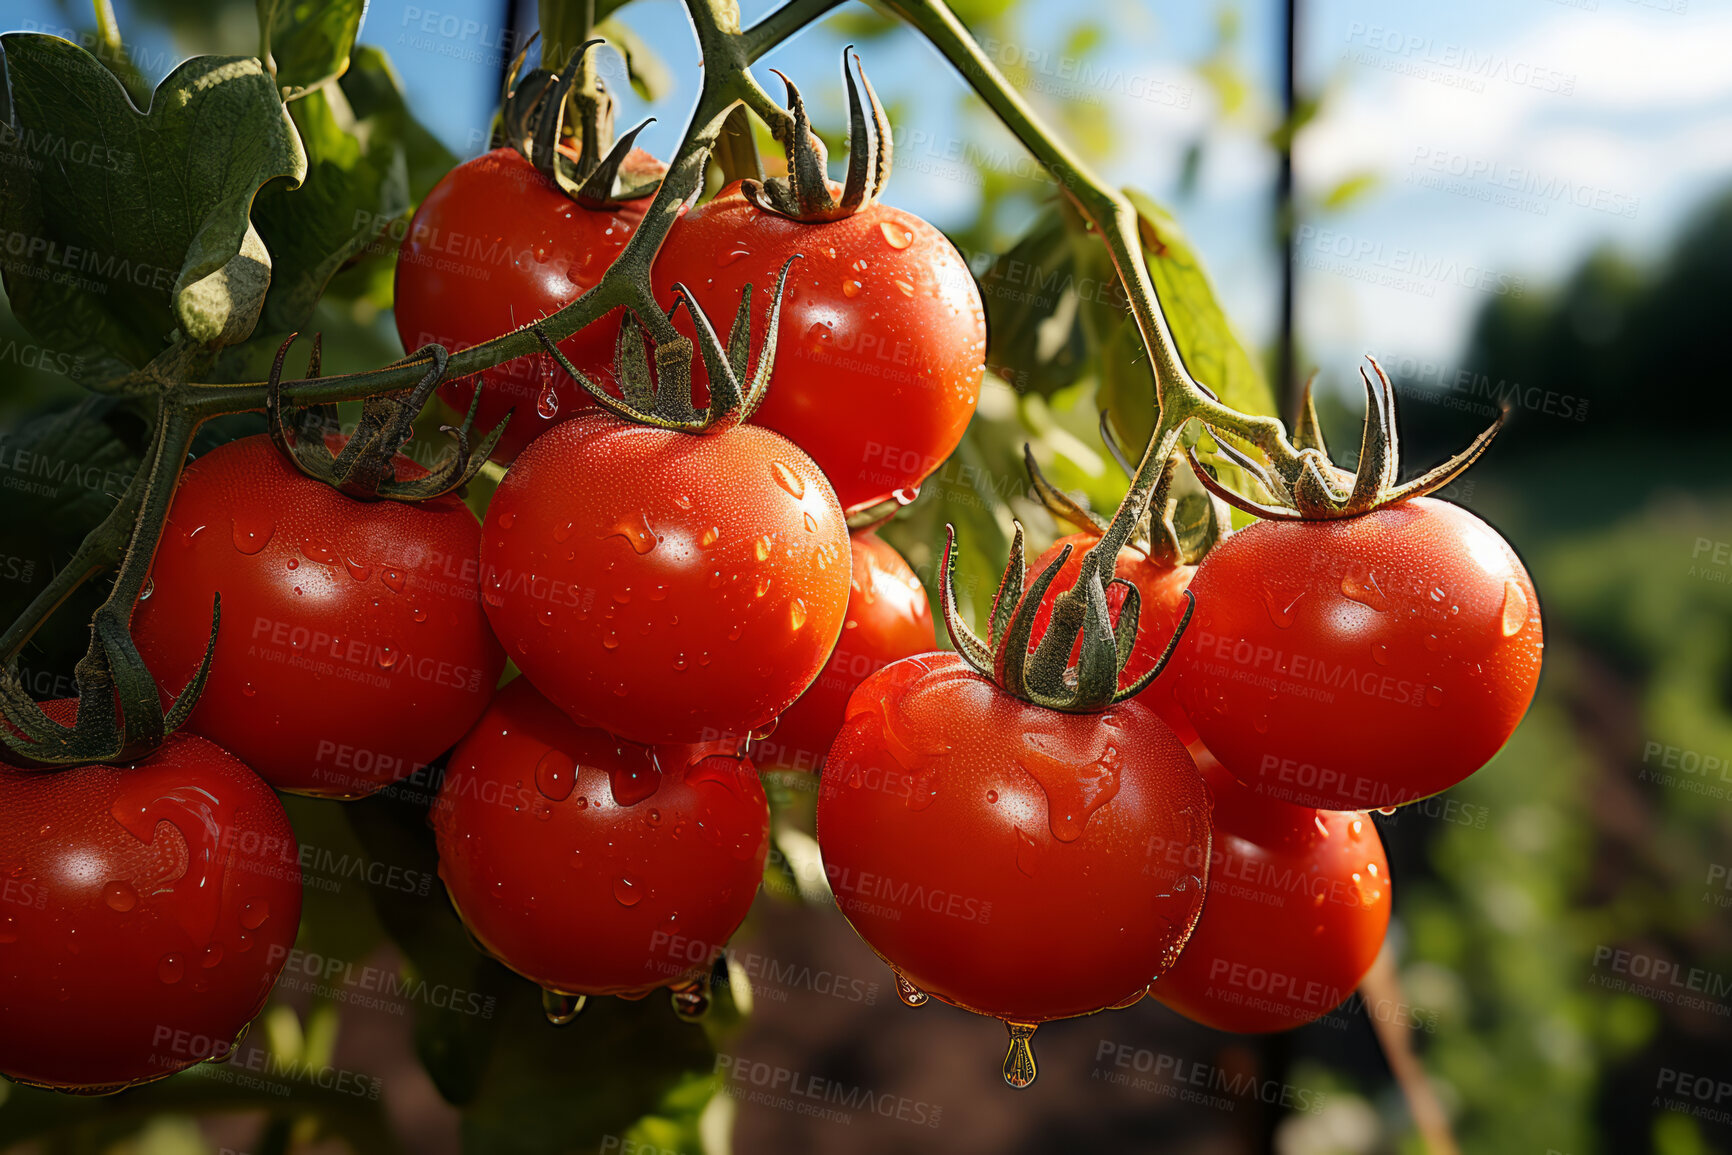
149, 910
353, 646
1362, 663
1161, 589
999, 856
590, 865
1297, 908
494, 246
888, 618
882, 338
663, 586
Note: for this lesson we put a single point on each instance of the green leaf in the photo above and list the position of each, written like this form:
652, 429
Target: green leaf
1210, 348
309, 40
375, 95
1032, 297
357, 182
1351, 190
121, 227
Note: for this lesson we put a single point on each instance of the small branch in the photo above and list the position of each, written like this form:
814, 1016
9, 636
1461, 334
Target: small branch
783, 23
1382, 987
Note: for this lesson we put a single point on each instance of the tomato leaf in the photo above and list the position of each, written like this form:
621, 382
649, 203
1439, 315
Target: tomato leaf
357, 182
309, 40
150, 232
1031, 297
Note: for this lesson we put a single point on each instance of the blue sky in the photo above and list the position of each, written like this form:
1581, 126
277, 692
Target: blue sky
1507, 137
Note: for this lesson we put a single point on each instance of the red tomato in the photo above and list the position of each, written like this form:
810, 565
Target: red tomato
998, 855
147, 912
882, 339
1297, 907
591, 865
353, 648
888, 618
1361, 663
493, 247
663, 586
1162, 606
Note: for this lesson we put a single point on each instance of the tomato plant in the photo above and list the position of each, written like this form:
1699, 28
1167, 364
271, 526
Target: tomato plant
1298, 902
663, 586
592, 865
493, 247
882, 340
1363, 662
353, 648
149, 909
1023, 835
1161, 589
887, 618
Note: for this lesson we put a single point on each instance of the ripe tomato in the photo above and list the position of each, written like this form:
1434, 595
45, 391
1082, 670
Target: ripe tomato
882, 339
493, 247
664, 586
353, 647
591, 865
1360, 663
1162, 606
148, 911
888, 618
1297, 907
998, 855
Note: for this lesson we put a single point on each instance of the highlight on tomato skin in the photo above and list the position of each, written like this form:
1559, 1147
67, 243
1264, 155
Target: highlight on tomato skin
662, 586
1297, 908
1000, 856
881, 344
1362, 663
591, 865
494, 246
888, 617
151, 908
1161, 589
353, 649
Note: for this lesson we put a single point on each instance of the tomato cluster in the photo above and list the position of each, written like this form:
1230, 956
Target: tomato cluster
671, 596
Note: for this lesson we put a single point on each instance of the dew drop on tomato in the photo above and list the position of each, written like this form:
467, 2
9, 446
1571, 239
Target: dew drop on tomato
251, 536
788, 479
1019, 1067
119, 896
626, 892
910, 994
255, 913
171, 969
555, 775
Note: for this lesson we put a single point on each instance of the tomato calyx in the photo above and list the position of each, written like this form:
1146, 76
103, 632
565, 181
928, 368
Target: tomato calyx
1182, 526
1319, 490
1040, 672
805, 193
663, 399
602, 172
366, 468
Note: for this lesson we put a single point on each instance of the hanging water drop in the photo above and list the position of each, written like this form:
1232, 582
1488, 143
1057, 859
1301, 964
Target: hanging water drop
1019, 1068
561, 1009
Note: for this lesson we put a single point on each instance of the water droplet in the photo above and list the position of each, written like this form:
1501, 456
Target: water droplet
212, 957
507, 520
636, 532
691, 1001
149, 588
318, 551
728, 256
1386, 811
907, 289
248, 689
294, 563
8, 929
622, 595
1515, 608
1073, 792
170, 969
1027, 853
555, 775
1434, 695
1364, 590
1282, 609
992, 797
1437, 594
250, 536
626, 892
906, 495
763, 587
818, 335
788, 479
735, 632
611, 641
254, 913
679, 662
359, 570
387, 657
910, 994
1019, 1068
119, 896
561, 1009
417, 614
1380, 653
851, 287
896, 233
762, 548
715, 579
797, 613
708, 538
547, 404
393, 579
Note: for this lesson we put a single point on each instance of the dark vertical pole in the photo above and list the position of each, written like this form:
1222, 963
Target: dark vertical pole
1284, 212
